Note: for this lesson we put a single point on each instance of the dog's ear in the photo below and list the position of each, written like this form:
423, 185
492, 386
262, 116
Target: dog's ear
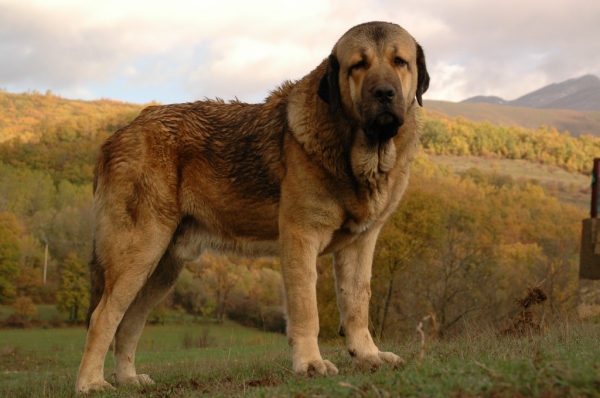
423, 77
329, 87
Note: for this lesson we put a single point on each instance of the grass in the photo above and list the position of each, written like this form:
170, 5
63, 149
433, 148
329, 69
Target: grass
33, 361
563, 362
44, 311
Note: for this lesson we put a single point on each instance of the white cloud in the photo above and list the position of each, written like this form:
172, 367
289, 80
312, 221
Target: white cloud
449, 82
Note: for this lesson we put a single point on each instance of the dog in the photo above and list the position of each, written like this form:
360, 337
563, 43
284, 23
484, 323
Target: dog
315, 169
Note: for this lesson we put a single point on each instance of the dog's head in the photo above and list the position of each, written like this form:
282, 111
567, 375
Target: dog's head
374, 73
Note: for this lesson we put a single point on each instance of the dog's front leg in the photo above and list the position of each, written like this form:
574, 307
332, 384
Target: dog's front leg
299, 255
353, 266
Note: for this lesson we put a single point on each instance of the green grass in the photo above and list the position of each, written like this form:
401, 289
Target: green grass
45, 311
563, 362
32, 359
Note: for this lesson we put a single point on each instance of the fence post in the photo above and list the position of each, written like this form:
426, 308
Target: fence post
595, 188
589, 258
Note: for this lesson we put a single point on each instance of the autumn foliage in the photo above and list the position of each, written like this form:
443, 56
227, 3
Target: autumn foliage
459, 136
460, 247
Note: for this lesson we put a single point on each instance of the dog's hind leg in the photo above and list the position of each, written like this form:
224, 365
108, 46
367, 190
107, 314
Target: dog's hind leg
128, 257
128, 333
352, 265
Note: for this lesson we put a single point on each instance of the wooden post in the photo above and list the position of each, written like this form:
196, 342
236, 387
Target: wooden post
589, 257
595, 188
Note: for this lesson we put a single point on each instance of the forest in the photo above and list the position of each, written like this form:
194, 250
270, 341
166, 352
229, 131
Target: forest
460, 247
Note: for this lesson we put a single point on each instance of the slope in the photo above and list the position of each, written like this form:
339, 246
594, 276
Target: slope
576, 122
30, 115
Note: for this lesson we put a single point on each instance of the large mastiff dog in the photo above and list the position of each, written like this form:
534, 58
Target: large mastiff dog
317, 168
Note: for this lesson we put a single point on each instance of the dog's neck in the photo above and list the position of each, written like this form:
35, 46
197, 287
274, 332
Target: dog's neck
325, 135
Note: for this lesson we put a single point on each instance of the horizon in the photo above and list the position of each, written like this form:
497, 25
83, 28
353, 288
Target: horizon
33, 91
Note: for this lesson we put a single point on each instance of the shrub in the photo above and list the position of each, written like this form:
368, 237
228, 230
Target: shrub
250, 313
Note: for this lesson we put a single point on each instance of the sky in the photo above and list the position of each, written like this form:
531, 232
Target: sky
173, 51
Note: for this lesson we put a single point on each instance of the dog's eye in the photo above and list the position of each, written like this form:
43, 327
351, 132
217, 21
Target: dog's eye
359, 65
400, 62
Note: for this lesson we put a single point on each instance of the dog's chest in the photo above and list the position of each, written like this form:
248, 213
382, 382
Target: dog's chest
351, 228
373, 206
357, 227
368, 211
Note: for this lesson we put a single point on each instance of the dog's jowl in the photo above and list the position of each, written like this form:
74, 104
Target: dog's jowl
317, 168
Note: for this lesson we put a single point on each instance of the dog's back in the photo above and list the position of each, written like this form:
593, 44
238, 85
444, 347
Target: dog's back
199, 166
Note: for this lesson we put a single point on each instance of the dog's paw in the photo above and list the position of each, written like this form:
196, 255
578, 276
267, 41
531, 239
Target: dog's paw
321, 367
137, 380
374, 362
101, 386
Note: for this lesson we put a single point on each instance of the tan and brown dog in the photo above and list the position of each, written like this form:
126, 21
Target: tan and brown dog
317, 168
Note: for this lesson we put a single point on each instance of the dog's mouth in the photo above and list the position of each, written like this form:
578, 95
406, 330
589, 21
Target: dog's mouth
385, 126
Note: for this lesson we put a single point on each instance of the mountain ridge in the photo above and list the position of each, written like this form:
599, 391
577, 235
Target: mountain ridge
581, 93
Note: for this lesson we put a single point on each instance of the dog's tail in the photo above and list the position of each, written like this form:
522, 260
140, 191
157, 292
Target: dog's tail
97, 277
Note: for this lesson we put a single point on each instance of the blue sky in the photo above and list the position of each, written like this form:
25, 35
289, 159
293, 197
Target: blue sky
178, 50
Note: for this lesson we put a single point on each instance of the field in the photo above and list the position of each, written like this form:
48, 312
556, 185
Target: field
565, 361
44, 362
571, 188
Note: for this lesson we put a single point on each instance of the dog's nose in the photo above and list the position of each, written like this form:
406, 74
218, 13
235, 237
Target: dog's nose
384, 93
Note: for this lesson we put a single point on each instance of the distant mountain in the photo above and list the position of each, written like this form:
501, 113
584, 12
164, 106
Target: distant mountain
486, 100
582, 94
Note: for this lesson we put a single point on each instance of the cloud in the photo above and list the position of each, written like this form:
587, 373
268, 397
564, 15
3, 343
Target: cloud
50, 49
147, 50
509, 48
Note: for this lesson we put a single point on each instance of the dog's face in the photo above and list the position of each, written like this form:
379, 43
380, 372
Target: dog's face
374, 72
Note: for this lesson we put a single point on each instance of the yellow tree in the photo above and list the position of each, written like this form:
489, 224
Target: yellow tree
24, 307
222, 276
409, 235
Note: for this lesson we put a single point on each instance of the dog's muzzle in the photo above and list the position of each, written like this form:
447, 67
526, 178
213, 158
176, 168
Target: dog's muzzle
385, 126
384, 114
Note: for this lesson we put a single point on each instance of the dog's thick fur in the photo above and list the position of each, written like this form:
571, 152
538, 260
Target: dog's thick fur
317, 168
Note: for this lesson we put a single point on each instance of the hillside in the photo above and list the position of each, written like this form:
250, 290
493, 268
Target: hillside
32, 114
570, 188
582, 94
576, 122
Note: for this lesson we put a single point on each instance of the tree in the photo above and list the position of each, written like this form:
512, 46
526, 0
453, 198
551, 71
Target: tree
73, 297
29, 283
408, 235
24, 307
208, 289
10, 254
462, 267
191, 294
222, 275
